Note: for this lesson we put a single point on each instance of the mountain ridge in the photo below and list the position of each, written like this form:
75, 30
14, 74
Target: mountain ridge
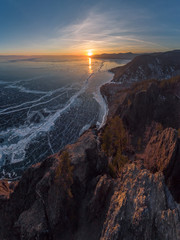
148, 66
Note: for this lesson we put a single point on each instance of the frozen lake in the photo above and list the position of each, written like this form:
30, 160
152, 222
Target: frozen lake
46, 103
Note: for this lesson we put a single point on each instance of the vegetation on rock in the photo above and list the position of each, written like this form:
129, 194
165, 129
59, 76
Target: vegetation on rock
64, 172
114, 143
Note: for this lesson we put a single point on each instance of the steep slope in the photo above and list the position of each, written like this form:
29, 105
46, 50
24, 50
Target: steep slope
150, 66
41, 206
137, 205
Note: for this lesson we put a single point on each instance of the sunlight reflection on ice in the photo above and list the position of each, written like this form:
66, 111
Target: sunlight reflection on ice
90, 67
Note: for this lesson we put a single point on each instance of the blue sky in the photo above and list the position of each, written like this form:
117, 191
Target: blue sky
73, 27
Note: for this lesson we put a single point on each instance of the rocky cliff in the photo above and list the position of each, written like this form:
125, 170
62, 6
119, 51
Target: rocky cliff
137, 205
73, 194
150, 66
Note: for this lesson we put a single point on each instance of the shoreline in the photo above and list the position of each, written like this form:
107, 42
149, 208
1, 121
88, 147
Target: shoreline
102, 101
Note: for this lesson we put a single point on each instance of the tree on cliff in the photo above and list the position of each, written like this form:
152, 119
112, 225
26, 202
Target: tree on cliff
114, 143
64, 172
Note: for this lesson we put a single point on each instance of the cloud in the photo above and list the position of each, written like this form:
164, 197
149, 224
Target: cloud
103, 32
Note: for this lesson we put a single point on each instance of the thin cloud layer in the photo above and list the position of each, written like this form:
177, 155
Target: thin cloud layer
71, 27
101, 31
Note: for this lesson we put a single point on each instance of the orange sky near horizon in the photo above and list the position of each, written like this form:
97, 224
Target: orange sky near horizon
75, 53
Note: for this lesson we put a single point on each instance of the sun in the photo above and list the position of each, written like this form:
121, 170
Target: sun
90, 53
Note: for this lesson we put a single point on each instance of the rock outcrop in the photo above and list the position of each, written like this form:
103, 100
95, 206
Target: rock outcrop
162, 154
40, 207
141, 208
137, 205
161, 151
143, 103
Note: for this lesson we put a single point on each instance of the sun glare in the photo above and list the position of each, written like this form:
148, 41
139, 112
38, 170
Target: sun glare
90, 53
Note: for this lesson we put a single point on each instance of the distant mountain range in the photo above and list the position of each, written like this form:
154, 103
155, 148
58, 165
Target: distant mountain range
128, 55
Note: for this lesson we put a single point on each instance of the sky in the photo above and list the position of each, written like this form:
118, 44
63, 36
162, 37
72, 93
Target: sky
74, 26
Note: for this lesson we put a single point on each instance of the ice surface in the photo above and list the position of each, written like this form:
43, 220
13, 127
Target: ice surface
47, 105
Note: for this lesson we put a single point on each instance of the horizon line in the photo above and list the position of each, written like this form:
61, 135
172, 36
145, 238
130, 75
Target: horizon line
83, 55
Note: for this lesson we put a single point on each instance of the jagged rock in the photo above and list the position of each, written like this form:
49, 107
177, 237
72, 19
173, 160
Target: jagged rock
99, 201
40, 206
140, 209
94, 207
22, 200
160, 151
31, 222
138, 205
86, 158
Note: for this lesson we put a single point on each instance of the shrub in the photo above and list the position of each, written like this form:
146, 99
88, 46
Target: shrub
112, 170
179, 132
64, 173
129, 102
169, 83
119, 161
159, 127
114, 143
114, 137
139, 142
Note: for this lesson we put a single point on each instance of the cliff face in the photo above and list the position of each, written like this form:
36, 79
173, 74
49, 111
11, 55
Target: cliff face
40, 206
151, 66
142, 104
137, 205
141, 208
162, 154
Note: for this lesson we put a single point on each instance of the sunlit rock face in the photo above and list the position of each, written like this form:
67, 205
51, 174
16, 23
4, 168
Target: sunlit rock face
141, 208
162, 154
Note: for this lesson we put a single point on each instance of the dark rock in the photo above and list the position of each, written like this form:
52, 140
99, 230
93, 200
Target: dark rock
40, 207
142, 104
138, 205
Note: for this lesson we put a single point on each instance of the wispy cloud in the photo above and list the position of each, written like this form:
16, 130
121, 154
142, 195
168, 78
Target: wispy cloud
102, 32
